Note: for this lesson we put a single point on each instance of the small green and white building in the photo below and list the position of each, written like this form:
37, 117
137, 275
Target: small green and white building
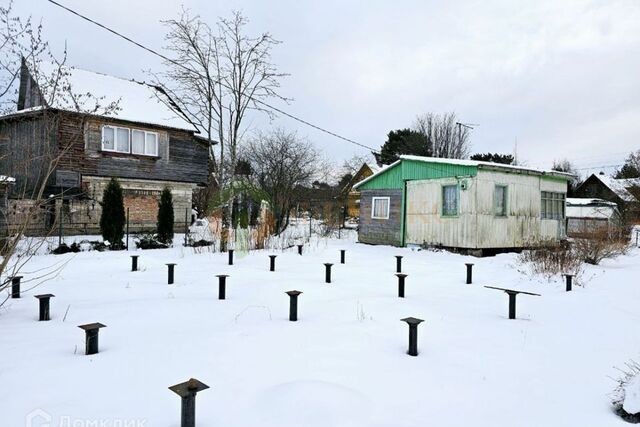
462, 204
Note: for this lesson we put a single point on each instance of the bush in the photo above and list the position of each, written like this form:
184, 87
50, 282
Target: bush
65, 249
623, 403
597, 245
113, 219
552, 259
150, 241
165, 217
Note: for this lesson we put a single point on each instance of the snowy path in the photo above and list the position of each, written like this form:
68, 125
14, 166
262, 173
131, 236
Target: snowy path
343, 364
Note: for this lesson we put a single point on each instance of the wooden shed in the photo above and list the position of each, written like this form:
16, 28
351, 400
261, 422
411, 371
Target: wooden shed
462, 204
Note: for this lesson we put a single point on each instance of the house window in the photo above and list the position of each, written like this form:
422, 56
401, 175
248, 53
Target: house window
500, 200
145, 143
552, 205
450, 200
125, 140
380, 208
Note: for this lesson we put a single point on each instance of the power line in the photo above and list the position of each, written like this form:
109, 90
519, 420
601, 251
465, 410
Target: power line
166, 58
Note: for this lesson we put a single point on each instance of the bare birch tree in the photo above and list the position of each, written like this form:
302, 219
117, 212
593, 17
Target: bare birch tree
216, 76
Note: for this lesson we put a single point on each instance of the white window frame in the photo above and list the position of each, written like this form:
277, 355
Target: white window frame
505, 201
130, 130
146, 135
373, 207
443, 213
553, 205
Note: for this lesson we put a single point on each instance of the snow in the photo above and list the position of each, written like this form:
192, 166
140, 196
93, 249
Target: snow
344, 363
137, 101
632, 396
619, 186
4, 178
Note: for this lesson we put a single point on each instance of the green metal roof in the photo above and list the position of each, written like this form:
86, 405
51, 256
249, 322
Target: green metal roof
393, 176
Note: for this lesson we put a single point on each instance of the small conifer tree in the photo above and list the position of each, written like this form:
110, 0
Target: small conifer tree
113, 219
165, 217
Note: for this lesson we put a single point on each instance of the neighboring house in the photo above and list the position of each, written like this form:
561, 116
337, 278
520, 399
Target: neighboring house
589, 215
144, 143
623, 192
476, 206
351, 196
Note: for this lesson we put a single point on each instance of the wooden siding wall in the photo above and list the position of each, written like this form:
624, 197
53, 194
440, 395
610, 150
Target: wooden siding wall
425, 224
476, 226
380, 231
180, 157
25, 152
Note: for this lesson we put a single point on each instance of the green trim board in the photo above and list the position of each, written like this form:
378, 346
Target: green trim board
394, 176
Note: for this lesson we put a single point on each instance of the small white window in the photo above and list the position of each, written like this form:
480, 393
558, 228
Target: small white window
450, 200
137, 141
500, 200
151, 144
122, 140
125, 140
108, 138
380, 208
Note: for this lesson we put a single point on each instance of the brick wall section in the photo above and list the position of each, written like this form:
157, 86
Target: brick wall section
380, 231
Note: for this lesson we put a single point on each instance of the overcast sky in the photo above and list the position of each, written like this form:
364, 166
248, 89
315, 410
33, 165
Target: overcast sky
562, 77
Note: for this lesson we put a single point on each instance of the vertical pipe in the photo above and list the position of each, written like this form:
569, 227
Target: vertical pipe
60, 223
272, 262
512, 305
230, 256
569, 282
44, 314
92, 341
398, 263
401, 278
188, 411
469, 273
300, 249
342, 256
413, 340
186, 226
170, 274
134, 262
222, 284
15, 286
128, 231
327, 273
293, 305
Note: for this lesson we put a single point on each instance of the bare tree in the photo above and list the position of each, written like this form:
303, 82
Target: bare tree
353, 164
216, 77
22, 47
445, 137
566, 166
281, 163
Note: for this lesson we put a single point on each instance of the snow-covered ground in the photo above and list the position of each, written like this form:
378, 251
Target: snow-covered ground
344, 363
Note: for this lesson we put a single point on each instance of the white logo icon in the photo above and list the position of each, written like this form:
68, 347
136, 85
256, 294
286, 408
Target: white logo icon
38, 418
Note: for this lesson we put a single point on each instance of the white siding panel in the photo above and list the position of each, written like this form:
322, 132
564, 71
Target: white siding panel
426, 226
477, 226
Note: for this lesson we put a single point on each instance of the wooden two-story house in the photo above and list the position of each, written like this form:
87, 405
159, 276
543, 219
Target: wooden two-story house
143, 140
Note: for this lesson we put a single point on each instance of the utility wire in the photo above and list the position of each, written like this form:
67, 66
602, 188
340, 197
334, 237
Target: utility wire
166, 58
